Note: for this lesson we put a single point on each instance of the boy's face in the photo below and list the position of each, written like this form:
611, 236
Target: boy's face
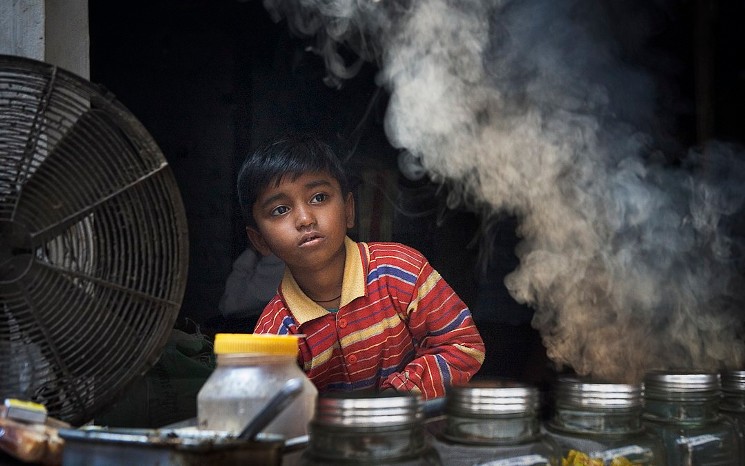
303, 221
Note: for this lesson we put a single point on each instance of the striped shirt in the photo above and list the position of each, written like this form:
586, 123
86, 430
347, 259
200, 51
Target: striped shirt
399, 325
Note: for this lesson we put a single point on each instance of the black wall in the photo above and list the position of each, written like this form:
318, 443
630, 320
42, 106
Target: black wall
210, 80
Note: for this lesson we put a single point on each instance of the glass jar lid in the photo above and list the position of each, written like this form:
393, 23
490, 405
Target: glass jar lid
492, 398
683, 383
353, 410
578, 393
733, 381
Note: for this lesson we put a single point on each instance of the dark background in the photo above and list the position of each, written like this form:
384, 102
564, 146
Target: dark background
211, 79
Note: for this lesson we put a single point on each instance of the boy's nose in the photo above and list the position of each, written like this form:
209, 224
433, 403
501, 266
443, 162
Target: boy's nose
304, 217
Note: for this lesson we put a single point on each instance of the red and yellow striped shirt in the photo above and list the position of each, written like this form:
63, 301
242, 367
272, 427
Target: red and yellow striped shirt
399, 325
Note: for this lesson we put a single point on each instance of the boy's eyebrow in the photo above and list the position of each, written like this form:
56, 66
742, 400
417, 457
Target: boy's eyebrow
316, 183
271, 200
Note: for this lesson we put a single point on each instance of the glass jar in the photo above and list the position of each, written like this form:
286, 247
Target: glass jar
733, 403
683, 408
601, 423
251, 369
365, 429
495, 423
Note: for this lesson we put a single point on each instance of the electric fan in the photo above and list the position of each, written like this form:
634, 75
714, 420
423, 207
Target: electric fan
93, 242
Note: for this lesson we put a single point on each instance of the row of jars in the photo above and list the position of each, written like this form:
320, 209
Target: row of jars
678, 418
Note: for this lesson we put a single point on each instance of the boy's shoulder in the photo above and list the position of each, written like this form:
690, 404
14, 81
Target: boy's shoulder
388, 250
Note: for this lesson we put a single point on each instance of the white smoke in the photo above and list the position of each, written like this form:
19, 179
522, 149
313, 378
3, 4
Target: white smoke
527, 108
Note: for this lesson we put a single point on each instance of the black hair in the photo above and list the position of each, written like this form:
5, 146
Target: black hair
288, 156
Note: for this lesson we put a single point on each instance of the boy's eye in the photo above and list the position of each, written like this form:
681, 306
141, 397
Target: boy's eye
279, 210
320, 197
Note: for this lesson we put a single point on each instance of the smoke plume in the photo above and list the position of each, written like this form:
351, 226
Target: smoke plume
627, 253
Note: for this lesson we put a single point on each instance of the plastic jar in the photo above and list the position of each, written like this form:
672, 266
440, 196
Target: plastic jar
733, 403
602, 422
683, 408
495, 423
364, 429
251, 368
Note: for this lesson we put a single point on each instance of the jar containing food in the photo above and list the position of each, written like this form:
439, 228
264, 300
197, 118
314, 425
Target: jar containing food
597, 423
682, 407
494, 423
251, 369
367, 429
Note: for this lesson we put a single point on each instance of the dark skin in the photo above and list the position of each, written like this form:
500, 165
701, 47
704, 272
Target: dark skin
304, 223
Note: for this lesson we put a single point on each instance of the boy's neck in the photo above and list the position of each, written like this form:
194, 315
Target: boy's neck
323, 286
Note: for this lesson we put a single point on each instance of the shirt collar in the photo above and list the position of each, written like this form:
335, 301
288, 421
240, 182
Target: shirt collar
352, 287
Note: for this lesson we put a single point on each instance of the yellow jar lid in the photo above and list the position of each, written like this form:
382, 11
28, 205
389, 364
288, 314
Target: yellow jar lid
232, 343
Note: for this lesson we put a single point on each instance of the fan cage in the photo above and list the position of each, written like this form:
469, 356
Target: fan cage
94, 251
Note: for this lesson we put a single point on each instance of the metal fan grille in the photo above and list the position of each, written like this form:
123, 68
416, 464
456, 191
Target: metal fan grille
93, 250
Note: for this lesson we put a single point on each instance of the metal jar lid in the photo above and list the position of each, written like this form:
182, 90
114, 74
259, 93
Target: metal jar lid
733, 381
351, 410
492, 398
577, 393
681, 383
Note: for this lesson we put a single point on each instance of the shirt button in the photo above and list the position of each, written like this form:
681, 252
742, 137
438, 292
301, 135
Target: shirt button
342, 323
352, 359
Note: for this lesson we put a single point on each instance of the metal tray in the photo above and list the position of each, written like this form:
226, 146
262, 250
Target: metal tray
167, 447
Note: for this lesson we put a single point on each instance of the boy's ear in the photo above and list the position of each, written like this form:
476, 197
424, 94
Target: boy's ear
257, 240
349, 210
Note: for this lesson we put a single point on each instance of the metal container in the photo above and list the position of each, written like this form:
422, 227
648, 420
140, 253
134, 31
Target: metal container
168, 447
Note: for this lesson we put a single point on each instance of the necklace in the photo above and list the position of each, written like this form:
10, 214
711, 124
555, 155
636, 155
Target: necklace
326, 300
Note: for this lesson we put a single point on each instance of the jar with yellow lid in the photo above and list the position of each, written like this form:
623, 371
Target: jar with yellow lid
251, 369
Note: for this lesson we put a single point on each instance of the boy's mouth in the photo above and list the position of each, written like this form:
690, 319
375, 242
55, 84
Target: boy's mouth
309, 237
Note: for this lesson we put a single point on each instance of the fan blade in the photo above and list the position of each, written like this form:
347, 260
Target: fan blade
68, 317
91, 163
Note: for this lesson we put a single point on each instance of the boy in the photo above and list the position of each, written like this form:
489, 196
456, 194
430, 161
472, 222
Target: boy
372, 315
